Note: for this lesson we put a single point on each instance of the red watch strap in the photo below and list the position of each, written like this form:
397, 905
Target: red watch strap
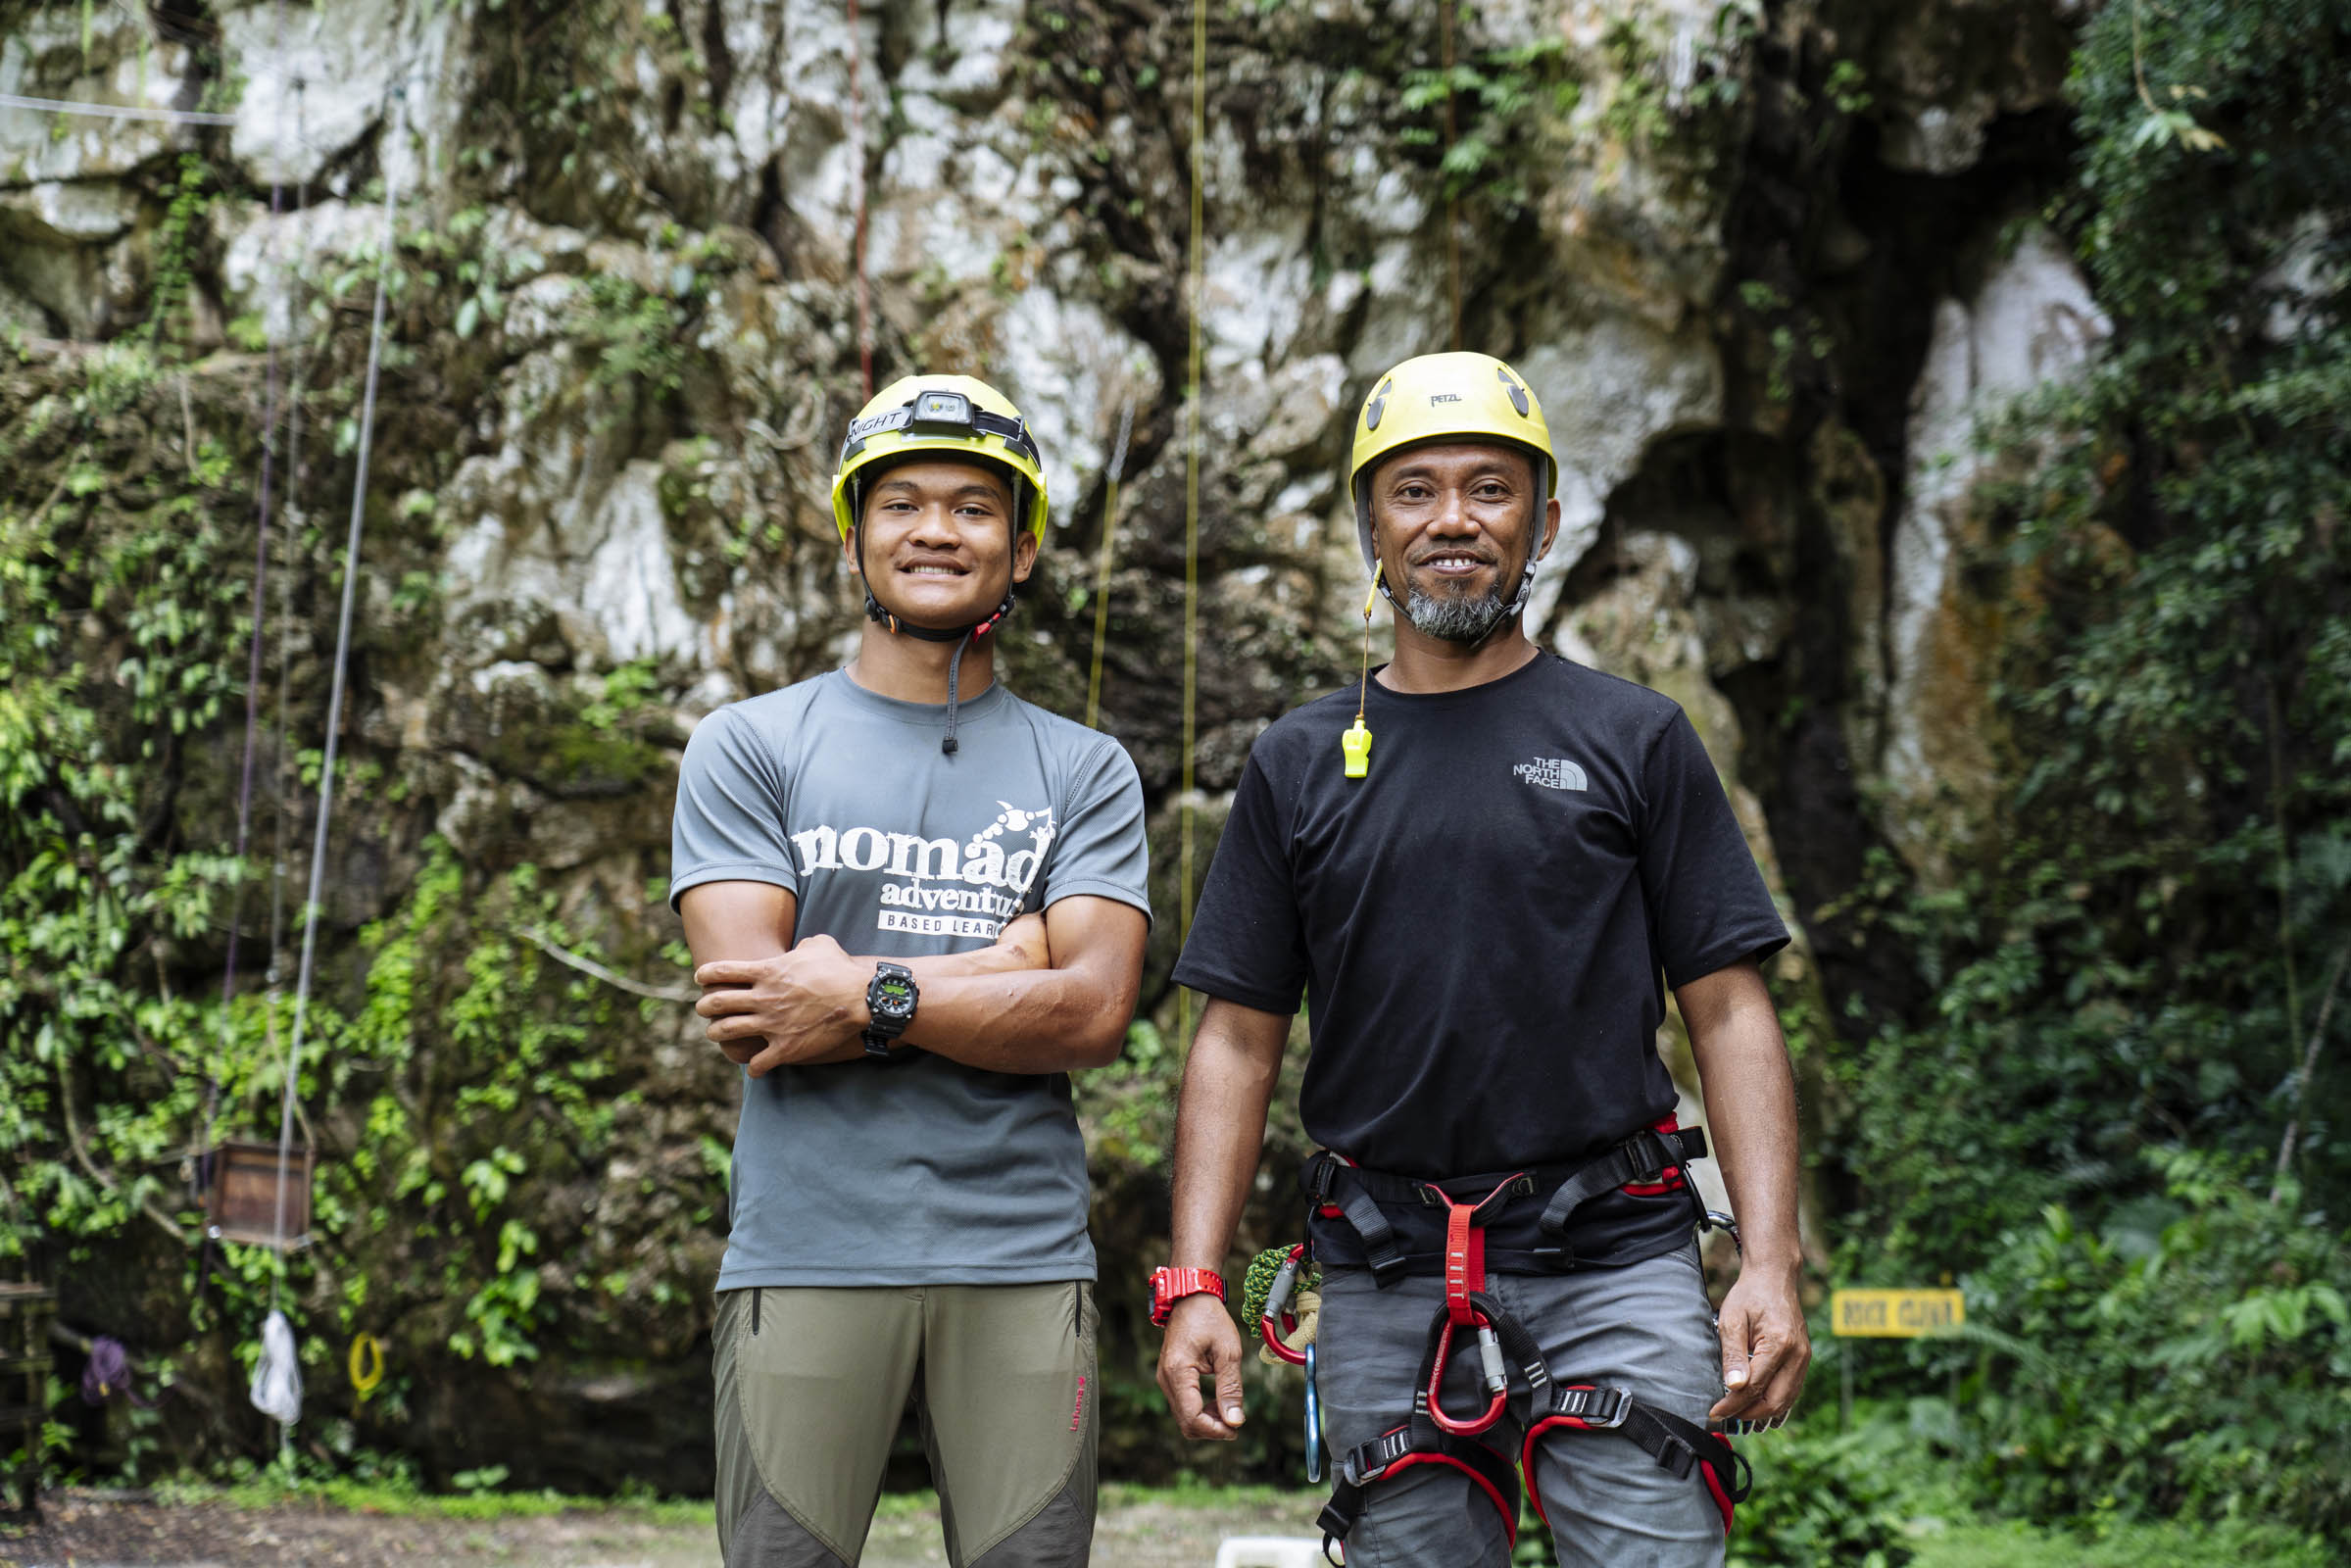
1171, 1285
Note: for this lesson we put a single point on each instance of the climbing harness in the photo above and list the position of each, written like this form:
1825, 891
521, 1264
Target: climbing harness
1516, 1376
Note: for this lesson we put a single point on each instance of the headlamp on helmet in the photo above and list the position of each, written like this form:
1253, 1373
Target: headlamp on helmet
952, 417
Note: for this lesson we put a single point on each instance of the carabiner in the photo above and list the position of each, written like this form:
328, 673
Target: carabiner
1496, 1385
1314, 1421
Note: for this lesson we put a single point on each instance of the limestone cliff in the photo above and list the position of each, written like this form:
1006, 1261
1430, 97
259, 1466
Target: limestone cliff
1765, 263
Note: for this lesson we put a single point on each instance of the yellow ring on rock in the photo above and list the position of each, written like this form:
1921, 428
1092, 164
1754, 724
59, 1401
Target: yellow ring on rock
367, 1363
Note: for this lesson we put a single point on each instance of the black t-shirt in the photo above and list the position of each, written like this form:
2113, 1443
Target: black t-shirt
1481, 925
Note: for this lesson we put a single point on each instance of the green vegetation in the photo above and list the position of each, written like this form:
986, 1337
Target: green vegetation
2120, 1113
452, 1073
2016, 1545
2116, 1115
400, 1497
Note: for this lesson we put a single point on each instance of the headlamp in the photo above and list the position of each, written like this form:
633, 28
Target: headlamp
941, 411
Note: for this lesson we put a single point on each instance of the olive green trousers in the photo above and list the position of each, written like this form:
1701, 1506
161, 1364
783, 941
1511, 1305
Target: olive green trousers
811, 1384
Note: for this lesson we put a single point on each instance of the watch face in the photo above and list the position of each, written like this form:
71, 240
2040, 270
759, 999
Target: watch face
893, 997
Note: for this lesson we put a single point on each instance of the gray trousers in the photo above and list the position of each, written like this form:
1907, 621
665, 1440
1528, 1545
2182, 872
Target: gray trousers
1645, 1327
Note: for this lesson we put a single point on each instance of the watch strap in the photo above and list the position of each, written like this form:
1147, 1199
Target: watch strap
1171, 1285
882, 1027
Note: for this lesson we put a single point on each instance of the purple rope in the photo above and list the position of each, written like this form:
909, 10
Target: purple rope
107, 1372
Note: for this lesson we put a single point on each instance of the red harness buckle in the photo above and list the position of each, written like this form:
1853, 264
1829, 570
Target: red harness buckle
1465, 1278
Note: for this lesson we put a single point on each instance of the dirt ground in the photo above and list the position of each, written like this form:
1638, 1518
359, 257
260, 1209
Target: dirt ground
100, 1530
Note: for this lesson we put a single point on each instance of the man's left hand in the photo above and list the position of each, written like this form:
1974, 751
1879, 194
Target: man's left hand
794, 1007
1766, 1348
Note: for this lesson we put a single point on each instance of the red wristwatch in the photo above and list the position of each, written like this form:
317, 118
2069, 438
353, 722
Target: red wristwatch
1171, 1285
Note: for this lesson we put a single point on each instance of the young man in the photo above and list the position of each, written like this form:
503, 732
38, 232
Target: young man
1479, 920
915, 903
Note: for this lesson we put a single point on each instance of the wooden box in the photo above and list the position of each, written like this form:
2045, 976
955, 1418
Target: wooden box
241, 1194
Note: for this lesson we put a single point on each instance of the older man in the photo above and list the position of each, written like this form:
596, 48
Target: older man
1483, 905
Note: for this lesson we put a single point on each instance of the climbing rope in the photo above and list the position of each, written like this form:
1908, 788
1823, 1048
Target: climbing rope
61, 106
253, 677
857, 175
275, 976
1102, 560
276, 1377
1191, 462
334, 700
1452, 203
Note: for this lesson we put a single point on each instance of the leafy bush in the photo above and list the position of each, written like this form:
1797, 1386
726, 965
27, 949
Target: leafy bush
2191, 1355
1820, 1496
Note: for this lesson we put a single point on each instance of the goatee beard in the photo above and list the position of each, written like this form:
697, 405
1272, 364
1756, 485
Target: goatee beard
1457, 618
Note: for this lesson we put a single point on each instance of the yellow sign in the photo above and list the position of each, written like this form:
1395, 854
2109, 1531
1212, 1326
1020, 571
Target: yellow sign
1894, 1315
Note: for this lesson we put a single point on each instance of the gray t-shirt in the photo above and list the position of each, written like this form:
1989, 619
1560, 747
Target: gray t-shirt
918, 1170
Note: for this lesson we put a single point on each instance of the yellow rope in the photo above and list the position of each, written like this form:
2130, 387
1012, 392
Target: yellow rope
1102, 562
1452, 203
367, 1364
1192, 457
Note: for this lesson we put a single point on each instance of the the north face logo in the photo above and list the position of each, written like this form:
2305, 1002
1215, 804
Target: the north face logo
1551, 772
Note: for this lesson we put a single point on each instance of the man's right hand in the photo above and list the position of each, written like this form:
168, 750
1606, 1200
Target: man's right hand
1202, 1342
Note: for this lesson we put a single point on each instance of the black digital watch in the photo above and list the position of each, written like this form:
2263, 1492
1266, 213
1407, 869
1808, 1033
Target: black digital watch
890, 995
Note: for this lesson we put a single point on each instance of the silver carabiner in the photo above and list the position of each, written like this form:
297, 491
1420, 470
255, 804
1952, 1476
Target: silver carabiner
1313, 1422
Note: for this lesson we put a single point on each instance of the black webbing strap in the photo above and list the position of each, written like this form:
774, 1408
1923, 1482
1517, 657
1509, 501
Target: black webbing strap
1417, 1441
1640, 1159
1680, 1447
1327, 1179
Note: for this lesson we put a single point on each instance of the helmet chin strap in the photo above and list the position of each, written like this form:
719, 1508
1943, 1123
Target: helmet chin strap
1503, 617
961, 636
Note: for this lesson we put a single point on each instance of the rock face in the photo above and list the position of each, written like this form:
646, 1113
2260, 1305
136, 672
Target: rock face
642, 250
2030, 321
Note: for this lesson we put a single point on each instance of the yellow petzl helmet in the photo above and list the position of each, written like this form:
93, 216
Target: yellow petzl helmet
953, 416
1445, 397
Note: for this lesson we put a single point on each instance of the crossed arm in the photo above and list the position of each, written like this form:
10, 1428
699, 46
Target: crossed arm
1054, 993
1750, 1110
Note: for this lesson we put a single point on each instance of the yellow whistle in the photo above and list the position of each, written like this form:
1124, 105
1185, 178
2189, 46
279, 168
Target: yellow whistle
1357, 742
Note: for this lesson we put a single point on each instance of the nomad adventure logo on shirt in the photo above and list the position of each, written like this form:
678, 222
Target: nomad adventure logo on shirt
1551, 772
949, 889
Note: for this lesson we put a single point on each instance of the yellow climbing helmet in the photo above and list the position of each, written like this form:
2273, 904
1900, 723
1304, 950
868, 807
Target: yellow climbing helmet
1437, 397
953, 416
